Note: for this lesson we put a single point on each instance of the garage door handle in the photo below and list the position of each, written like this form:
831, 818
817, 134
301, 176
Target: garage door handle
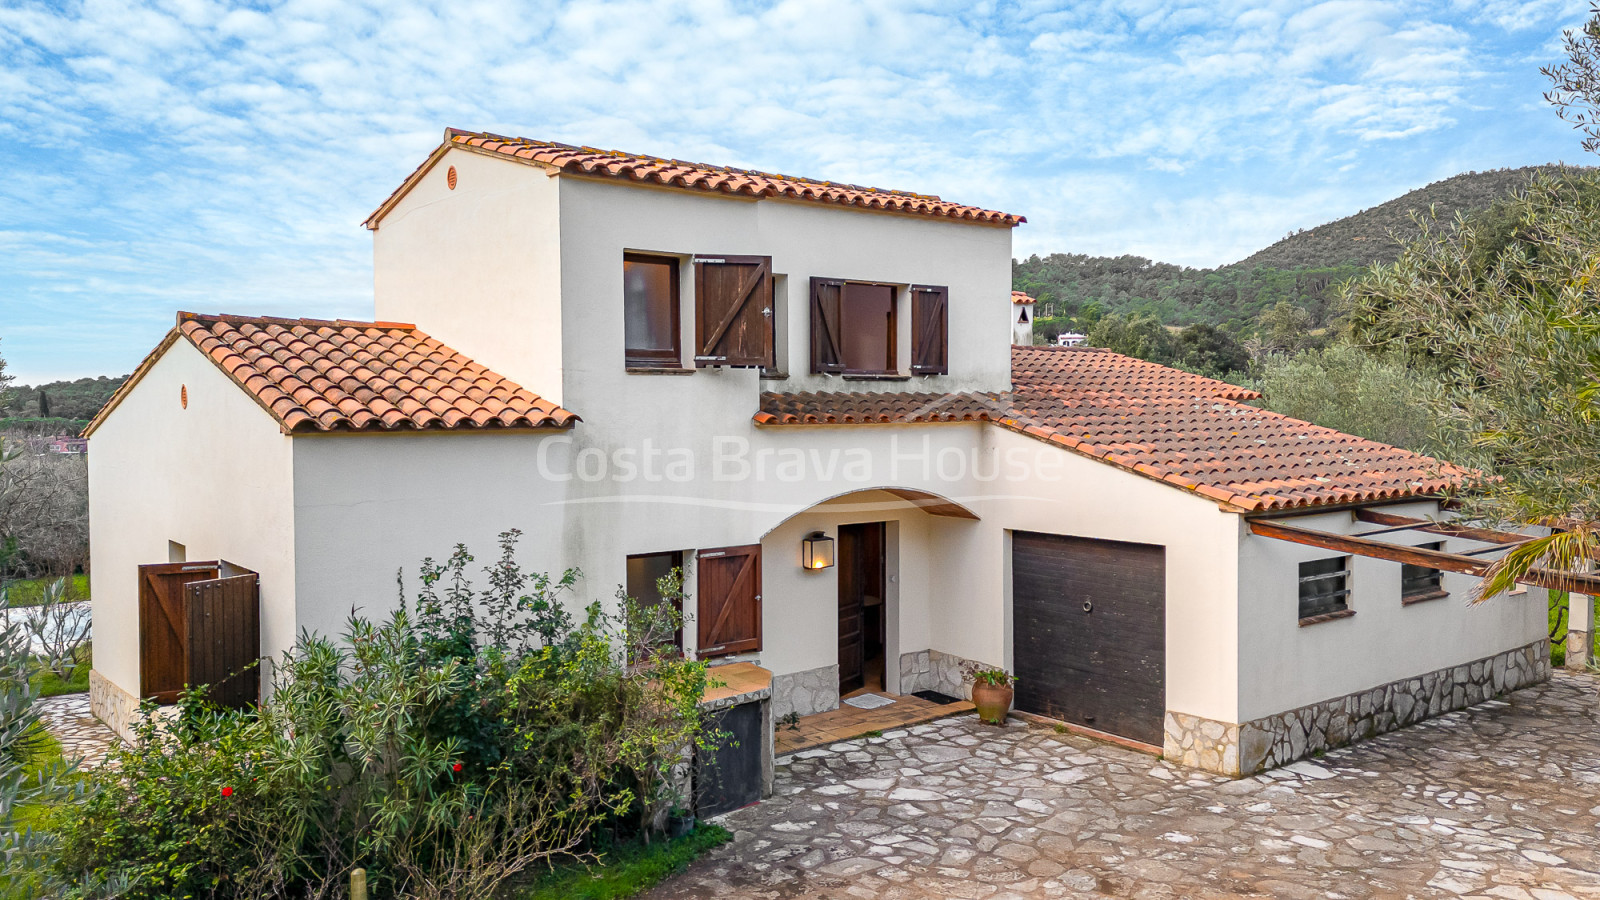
1088, 606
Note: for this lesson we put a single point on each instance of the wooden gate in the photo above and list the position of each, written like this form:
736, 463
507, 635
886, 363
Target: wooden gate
224, 619
1089, 632
197, 627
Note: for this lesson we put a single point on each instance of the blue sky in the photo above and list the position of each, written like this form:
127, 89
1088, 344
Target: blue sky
191, 155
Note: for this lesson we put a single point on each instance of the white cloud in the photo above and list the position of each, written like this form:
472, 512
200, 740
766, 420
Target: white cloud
188, 152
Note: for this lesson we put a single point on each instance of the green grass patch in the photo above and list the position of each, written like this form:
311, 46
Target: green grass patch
30, 591
48, 684
626, 870
1558, 630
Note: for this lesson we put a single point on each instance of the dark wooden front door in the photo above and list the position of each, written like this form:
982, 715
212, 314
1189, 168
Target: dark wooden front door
164, 626
861, 591
1089, 633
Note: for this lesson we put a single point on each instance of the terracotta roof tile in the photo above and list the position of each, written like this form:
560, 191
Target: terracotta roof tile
1020, 297
698, 177
877, 408
1191, 432
316, 375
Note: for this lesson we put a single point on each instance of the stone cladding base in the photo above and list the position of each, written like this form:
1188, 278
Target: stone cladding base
1244, 749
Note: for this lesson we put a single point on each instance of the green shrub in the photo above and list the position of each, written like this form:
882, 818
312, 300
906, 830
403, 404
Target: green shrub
446, 750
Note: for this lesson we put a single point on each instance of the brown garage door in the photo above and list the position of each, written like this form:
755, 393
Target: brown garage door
1089, 632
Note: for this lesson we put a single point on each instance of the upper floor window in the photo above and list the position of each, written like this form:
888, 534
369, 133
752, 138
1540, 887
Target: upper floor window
650, 311
1324, 588
867, 329
855, 328
1418, 583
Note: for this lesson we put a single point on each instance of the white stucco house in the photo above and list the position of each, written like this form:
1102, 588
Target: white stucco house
644, 363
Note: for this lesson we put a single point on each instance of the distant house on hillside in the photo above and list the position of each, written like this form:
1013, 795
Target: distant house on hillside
71, 445
1070, 339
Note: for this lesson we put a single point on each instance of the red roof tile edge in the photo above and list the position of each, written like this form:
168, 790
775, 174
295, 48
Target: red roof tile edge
290, 410
997, 409
705, 177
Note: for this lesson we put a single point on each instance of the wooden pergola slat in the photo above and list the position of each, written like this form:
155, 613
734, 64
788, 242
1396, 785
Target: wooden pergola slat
1467, 532
1417, 556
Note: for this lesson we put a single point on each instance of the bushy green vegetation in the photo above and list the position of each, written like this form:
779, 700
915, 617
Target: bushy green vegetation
470, 739
1382, 398
627, 870
1506, 310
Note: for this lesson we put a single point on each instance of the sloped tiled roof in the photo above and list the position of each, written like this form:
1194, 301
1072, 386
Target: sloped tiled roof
878, 408
1020, 297
1191, 432
317, 375
698, 177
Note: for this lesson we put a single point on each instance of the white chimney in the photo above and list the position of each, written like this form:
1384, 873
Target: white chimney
1021, 319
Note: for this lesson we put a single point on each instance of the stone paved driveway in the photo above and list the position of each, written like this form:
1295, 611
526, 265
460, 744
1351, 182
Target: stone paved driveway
1499, 801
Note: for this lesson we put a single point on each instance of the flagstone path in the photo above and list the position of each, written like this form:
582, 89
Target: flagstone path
82, 736
1499, 801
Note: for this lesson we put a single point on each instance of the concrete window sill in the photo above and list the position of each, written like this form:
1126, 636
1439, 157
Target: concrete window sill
884, 377
1410, 599
1327, 617
658, 370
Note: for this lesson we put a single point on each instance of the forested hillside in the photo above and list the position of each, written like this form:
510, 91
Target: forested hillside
1303, 269
64, 405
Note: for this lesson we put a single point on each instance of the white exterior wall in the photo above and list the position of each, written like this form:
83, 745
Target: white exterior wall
411, 497
213, 477
478, 267
416, 496
601, 220
1284, 666
1092, 499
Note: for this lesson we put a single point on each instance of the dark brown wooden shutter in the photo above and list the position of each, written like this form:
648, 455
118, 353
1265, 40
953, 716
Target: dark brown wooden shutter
733, 311
729, 599
827, 348
930, 330
164, 628
224, 638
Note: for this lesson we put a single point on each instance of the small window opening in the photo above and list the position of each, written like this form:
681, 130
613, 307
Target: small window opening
645, 572
1324, 587
1418, 583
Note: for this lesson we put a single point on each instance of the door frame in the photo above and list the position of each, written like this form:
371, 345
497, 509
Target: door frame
888, 556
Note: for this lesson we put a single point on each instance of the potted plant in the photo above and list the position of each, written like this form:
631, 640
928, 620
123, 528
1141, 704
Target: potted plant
991, 691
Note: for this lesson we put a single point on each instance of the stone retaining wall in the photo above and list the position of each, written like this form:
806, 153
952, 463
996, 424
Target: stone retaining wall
805, 693
112, 705
1265, 743
934, 670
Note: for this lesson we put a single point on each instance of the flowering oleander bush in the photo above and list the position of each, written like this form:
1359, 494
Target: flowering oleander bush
449, 749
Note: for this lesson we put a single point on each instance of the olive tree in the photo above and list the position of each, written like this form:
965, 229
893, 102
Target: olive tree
1511, 319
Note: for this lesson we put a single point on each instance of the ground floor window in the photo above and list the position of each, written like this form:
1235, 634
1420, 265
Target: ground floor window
1418, 583
645, 572
1324, 587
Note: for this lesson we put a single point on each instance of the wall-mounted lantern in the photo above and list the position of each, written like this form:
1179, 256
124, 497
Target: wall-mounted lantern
816, 551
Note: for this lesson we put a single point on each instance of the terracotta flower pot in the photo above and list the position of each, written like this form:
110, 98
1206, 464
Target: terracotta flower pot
993, 702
